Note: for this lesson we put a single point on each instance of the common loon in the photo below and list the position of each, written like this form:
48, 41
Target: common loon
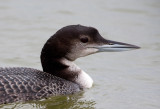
60, 76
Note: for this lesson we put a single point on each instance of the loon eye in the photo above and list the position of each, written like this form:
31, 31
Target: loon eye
84, 39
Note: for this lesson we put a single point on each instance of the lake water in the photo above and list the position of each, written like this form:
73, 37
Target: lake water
122, 80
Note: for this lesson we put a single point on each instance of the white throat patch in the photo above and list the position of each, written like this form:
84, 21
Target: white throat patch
83, 79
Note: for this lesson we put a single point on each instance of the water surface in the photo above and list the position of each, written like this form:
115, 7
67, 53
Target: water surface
124, 80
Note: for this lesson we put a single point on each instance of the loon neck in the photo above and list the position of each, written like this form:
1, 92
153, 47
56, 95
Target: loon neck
66, 69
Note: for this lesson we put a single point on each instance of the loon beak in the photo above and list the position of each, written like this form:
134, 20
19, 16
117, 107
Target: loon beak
113, 46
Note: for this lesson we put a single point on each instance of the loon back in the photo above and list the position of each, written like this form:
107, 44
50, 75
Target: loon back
22, 84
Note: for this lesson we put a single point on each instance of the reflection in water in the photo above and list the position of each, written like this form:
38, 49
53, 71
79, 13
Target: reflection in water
75, 101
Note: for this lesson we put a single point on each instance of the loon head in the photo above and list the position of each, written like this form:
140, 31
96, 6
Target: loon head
72, 42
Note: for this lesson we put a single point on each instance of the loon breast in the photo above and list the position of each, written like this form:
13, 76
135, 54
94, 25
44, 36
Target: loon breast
22, 84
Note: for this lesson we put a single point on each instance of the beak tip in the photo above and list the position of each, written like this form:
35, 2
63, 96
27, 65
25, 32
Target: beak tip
137, 47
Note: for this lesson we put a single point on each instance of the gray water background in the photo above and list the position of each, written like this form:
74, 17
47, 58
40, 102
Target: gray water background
122, 80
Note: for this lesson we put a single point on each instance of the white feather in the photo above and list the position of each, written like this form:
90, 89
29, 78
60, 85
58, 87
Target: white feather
84, 80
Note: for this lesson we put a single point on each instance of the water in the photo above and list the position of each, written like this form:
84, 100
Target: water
124, 80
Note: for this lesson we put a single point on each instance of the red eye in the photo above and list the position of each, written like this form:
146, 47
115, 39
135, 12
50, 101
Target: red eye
84, 39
